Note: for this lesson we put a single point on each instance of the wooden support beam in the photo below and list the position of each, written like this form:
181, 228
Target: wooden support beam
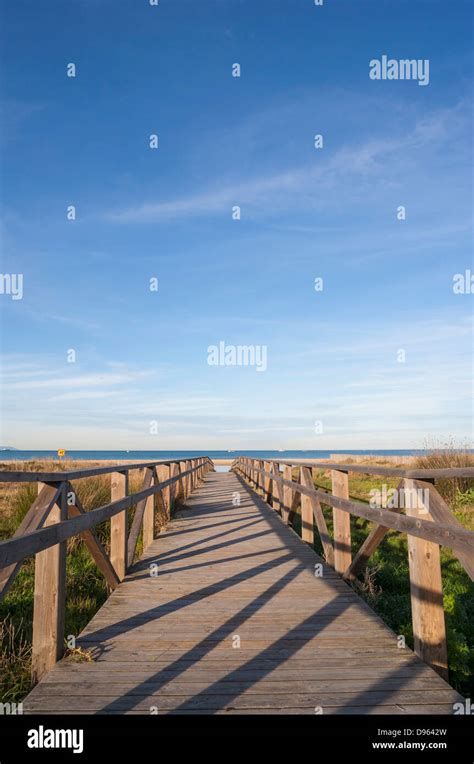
35, 518
319, 519
118, 525
287, 494
148, 532
296, 502
93, 544
258, 476
49, 597
190, 478
180, 487
440, 513
164, 473
375, 537
267, 483
184, 467
307, 529
137, 521
342, 523
429, 630
174, 487
277, 490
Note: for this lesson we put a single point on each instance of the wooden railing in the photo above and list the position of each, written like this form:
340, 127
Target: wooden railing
428, 523
57, 515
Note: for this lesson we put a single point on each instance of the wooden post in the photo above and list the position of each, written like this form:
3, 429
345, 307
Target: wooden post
148, 531
277, 492
49, 597
253, 474
118, 525
262, 478
342, 523
89, 537
189, 478
178, 486
307, 479
307, 528
268, 483
164, 473
287, 493
181, 485
174, 487
426, 587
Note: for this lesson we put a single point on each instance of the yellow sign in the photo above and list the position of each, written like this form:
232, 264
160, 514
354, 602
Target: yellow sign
61, 452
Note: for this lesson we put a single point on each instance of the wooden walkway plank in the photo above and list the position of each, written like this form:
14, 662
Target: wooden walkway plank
224, 614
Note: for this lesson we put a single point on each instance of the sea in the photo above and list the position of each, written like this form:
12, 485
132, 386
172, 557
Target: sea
7, 454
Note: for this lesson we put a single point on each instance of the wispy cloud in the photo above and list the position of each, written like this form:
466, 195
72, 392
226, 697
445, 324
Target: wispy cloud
78, 381
310, 183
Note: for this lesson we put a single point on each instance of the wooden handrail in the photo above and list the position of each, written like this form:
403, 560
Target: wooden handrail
50, 522
18, 476
17, 548
457, 538
425, 536
419, 474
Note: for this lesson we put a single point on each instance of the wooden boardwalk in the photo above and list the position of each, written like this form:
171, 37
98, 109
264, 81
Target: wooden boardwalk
223, 614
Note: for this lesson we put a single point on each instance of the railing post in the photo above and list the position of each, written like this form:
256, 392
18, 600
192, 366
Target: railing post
275, 492
118, 525
267, 483
148, 530
189, 478
164, 473
261, 478
174, 487
287, 493
426, 588
49, 597
256, 476
342, 523
307, 528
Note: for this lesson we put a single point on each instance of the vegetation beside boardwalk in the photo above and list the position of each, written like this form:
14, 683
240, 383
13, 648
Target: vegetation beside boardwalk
385, 584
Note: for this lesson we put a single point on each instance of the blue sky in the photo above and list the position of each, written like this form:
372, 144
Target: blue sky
141, 356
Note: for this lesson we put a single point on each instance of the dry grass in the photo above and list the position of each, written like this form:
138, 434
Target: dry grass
455, 491
15, 661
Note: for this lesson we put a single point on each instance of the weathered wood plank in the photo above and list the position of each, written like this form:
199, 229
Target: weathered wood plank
119, 525
426, 587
